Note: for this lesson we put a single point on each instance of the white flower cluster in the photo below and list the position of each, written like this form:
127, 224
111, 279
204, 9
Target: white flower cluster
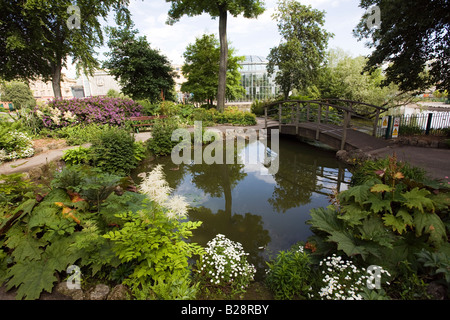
23, 146
56, 114
225, 262
344, 281
157, 189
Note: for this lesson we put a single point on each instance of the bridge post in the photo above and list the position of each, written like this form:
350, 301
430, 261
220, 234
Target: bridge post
292, 113
307, 111
297, 117
279, 116
319, 115
265, 117
375, 123
347, 116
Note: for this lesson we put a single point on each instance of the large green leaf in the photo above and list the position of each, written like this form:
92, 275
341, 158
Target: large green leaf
378, 204
373, 229
417, 198
348, 244
353, 213
31, 278
431, 224
325, 219
359, 194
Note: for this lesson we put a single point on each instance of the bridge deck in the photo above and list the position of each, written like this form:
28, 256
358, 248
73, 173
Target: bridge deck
332, 135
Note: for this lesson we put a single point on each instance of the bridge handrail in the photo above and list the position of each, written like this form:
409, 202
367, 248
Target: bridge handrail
348, 111
326, 103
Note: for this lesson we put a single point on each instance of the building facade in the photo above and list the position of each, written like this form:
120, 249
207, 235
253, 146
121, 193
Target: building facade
256, 81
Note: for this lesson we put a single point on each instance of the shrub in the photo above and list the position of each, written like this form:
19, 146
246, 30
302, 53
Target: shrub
75, 156
81, 133
288, 274
384, 219
102, 110
235, 116
14, 144
156, 237
113, 151
161, 143
225, 265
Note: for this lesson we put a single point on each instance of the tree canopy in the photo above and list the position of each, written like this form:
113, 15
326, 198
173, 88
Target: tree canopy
201, 70
143, 72
413, 41
343, 77
220, 9
36, 37
303, 47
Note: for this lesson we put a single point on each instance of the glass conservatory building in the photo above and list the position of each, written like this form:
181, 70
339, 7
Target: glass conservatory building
255, 80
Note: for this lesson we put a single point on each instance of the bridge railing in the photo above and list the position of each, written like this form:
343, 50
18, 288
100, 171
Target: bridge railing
340, 113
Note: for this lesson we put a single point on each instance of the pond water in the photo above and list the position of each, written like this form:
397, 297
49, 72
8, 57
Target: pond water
265, 212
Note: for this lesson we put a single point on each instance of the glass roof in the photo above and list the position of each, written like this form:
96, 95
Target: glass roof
255, 60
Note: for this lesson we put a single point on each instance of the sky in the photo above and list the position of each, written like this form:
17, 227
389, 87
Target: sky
247, 36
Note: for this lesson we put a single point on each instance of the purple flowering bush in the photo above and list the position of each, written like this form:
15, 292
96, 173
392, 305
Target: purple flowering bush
60, 113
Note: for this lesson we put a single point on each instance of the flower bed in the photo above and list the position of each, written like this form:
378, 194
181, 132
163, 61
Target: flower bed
103, 110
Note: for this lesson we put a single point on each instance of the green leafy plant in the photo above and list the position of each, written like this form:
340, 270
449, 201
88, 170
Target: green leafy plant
113, 151
156, 246
383, 220
288, 275
78, 155
161, 143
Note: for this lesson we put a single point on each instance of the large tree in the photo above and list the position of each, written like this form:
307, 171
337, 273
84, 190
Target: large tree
201, 69
303, 46
413, 41
220, 9
143, 72
38, 36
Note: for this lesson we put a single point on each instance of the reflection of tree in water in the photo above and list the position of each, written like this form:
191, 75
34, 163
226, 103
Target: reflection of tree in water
218, 180
247, 229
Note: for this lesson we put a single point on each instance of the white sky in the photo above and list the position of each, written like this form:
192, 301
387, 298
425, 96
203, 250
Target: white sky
247, 36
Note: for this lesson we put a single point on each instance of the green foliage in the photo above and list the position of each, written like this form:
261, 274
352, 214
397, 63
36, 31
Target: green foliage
438, 263
80, 134
14, 143
28, 27
301, 53
383, 219
143, 72
78, 155
113, 151
18, 93
411, 47
161, 143
343, 73
156, 245
234, 116
13, 188
289, 274
202, 70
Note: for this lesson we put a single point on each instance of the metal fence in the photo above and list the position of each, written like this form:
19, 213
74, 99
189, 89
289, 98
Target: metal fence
432, 123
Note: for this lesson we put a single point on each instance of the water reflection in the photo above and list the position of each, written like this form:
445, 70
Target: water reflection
266, 213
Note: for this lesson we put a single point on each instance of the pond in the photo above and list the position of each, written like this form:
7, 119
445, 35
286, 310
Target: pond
265, 212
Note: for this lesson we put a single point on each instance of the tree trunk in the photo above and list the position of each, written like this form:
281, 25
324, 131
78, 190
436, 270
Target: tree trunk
223, 60
56, 79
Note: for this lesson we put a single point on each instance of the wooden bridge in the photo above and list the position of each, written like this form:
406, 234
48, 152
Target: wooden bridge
340, 124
